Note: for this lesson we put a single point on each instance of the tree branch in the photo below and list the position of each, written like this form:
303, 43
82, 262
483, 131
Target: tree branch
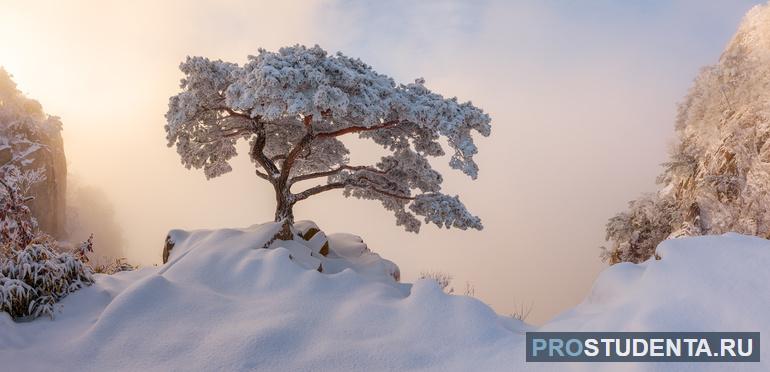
235, 133
231, 112
262, 175
392, 195
356, 129
335, 171
319, 189
292, 155
374, 188
258, 154
339, 185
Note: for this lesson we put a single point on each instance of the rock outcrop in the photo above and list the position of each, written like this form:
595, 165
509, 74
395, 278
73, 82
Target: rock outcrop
30, 139
49, 204
718, 177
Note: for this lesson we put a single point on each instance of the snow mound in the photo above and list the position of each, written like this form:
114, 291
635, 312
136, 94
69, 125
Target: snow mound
346, 251
700, 284
223, 303
706, 283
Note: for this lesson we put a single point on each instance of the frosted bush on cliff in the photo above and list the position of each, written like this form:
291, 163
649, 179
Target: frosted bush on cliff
34, 274
294, 106
716, 180
31, 140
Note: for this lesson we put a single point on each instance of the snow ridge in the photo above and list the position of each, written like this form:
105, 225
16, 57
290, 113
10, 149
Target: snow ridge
222, 303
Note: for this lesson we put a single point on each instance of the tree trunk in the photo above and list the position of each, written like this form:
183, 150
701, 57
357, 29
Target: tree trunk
284, 213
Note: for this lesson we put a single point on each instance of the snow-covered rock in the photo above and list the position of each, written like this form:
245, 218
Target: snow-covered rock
222, 303
32, 139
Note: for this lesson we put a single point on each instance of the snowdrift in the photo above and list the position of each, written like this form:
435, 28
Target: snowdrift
222, 303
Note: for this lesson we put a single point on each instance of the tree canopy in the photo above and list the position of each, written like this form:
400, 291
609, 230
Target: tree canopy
294, 107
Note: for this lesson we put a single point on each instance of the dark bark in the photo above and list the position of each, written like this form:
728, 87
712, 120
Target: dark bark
284, 213
283, 204
287, 231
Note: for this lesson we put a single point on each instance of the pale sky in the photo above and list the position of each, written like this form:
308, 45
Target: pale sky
582, 97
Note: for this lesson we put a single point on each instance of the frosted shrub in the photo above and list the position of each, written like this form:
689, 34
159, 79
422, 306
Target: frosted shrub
634, 234
111, 267
34, 278
34, 272
444, 282
442, 279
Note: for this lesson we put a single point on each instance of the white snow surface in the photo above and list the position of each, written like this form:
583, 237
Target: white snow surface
222, 303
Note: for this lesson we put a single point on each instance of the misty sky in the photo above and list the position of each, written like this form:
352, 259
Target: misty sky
582, 96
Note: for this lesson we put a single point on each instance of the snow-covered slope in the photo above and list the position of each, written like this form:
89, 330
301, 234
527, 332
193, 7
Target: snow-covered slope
222, 303
700, 284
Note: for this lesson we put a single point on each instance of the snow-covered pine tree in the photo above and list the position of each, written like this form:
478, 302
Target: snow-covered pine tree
294, 106
718, 178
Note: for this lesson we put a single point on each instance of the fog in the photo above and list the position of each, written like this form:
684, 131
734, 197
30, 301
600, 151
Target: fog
582, 97
90, 211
